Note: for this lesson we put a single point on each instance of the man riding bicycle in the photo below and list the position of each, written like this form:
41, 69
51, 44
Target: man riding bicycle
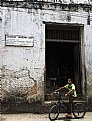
72, 95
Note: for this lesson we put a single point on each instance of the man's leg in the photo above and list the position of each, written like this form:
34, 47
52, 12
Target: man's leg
71, 99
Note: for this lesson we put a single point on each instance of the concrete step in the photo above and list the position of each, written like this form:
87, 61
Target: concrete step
48, 104
50, 97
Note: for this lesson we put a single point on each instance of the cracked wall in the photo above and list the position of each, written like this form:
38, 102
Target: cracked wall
88, 61
23, 67
19, 83
0, 44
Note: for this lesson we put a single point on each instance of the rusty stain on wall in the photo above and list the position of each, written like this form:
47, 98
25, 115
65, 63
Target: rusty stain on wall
19, 82
32, 93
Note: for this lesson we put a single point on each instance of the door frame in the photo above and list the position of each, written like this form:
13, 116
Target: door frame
82, 56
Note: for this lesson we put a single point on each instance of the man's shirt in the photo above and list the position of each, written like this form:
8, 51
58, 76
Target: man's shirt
71, 87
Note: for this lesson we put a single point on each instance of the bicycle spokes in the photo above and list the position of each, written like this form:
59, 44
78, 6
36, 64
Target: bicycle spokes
54, 112
79, 110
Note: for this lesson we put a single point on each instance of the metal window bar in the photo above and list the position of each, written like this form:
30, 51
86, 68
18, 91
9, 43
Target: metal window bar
60, 34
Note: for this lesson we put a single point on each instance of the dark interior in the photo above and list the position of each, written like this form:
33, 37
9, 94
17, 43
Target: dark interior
62, 62
59, 63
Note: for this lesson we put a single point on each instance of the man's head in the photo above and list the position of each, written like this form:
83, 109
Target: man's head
70, 81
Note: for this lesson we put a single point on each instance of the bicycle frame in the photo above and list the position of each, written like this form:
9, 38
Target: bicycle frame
78, 109
61, 103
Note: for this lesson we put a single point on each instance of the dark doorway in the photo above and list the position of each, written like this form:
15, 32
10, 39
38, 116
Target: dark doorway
62, 58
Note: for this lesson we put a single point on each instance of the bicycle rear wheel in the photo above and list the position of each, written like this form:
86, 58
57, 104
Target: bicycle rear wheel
54, 112
79, 110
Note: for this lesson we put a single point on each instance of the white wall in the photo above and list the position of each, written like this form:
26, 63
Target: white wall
18, 64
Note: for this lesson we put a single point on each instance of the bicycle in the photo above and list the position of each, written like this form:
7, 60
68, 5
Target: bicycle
78, 109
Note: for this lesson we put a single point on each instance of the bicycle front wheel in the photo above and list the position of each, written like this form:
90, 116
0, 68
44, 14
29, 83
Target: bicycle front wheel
79, 110
54, 112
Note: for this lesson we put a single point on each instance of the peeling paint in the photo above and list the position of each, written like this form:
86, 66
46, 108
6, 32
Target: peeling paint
18, 82
22, 68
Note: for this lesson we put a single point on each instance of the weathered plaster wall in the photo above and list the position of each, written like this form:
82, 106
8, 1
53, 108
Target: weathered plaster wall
23, 67
0, 44
88, 59
20, 64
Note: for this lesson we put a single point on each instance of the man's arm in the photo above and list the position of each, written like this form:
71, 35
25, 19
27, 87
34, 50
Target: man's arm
59, 89
69, 92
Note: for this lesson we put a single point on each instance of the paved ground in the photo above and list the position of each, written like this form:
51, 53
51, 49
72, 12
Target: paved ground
40, 117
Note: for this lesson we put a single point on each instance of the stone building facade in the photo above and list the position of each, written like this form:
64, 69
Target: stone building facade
36, 44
